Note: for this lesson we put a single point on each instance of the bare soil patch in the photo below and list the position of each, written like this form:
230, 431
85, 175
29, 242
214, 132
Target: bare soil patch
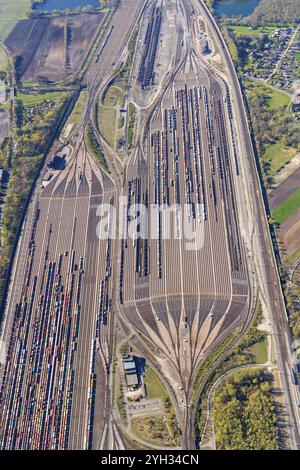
285, 189
52, 48
25, 39
289, 233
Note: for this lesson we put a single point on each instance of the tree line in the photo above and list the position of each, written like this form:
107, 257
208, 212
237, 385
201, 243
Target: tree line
30, 144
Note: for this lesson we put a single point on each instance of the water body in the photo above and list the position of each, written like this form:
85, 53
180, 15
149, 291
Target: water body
51, 5
235, 7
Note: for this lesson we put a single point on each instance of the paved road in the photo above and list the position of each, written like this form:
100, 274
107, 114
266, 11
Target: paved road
267, 269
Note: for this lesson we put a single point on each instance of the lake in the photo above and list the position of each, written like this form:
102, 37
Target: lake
51, 5
235, 7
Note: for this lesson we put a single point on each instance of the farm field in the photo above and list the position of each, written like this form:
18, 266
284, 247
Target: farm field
289, 235
83, 30
287, 208
24, 40
52, 48
285, 189
293, 257
10, 13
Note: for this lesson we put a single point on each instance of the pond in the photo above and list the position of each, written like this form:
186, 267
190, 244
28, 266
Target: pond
51, 5
235, 7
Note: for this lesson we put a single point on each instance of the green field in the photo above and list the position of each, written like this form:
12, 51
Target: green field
161, 429
112, 96
278, 155
152, 429
121, 121
155, 387
297, 57
34, 99
275, 108
293, 257
259, 351
247, 31
275, 98
29, 84
107, 125
287, 208
131, 125
10, 13
78, 109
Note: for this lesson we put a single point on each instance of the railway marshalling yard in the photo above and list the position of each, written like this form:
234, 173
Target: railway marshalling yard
177, 300
183, 299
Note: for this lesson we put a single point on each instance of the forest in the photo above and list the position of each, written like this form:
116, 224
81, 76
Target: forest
244, 413
31, 141
269, 11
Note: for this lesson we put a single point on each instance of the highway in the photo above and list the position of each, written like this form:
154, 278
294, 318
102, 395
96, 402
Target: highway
267, 271
160, 293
